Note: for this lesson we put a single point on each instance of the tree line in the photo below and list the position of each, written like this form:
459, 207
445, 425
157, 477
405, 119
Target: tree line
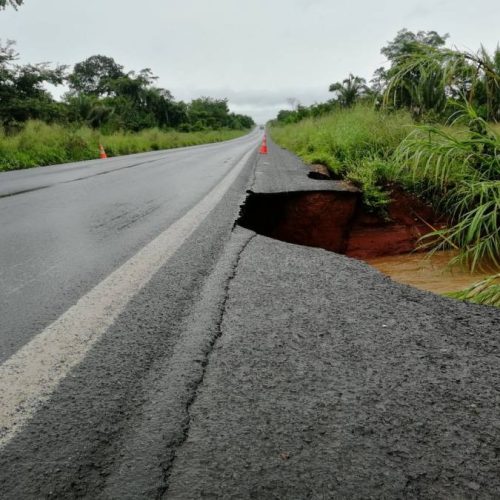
423, 76
102, 95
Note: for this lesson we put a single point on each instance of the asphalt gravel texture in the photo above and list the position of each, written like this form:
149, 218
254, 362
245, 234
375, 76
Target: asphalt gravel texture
66, 227
85, 440
282, 172
331, 381
254, 368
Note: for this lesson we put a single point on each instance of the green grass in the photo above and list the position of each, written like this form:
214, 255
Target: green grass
356, 144
345, 136
40, 144
456, 167
485, 292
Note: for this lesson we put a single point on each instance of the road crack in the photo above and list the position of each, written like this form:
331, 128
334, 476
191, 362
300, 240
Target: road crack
204, 363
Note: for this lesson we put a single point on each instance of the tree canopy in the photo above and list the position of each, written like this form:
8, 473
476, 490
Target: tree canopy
414, 90
349, 90
23, 95
436, 79
406, 42
102, 95
95, 75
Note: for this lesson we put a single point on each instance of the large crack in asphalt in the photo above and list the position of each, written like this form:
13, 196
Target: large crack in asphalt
331, 381
204, 362
112, 427
146, 451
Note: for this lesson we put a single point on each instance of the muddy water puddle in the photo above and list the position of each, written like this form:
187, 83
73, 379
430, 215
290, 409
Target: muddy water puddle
426, 272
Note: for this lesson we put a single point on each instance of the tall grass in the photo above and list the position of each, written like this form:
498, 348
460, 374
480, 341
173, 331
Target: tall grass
356, 144
345, 136
456, 167
41, 144
460, 168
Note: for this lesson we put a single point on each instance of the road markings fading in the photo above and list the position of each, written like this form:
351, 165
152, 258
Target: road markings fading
31, 375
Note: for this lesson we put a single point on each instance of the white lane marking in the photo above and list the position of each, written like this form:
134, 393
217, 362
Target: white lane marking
30, 376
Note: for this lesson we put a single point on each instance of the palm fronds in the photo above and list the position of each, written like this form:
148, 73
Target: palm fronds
432, 77
486, 292
434, 155
349, 90
475, 206
476, 237
461, 168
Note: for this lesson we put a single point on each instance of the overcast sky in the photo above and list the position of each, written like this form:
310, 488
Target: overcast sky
257, 53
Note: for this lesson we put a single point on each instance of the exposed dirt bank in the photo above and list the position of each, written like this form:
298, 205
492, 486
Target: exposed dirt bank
338, 222
317, 219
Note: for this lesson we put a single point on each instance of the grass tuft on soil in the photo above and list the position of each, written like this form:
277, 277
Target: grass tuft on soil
455, 168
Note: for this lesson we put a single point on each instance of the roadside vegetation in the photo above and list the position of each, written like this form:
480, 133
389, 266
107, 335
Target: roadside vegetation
12, 3
429, 123
356, 144
41, 144
125, 111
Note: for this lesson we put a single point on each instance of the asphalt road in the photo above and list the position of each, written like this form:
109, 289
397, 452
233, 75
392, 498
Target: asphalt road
66, 227
124, 247
203, 360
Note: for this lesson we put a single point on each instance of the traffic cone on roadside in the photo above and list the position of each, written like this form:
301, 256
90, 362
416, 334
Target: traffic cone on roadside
102, 153
263, 148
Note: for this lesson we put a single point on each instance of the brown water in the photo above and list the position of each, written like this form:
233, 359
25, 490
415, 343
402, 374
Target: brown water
427, 273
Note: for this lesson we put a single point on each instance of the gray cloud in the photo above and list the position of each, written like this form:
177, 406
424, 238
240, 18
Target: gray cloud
261, 104
257, 53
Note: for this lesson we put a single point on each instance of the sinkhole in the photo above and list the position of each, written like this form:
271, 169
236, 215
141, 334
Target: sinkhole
337, 221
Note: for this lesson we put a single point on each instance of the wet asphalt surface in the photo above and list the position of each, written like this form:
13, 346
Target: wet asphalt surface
64, 228
251, 368
362, 389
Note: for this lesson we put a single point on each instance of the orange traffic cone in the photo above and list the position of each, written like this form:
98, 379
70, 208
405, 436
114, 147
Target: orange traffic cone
263, 148
102, 153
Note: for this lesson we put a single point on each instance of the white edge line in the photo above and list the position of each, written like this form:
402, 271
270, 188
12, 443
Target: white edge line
30, 376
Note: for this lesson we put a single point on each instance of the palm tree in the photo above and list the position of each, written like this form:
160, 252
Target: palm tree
434, 77
349, 90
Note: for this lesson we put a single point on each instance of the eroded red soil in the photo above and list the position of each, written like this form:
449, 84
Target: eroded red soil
409, 218
336, 221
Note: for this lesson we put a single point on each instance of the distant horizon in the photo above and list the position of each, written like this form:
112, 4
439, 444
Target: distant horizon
256, 55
